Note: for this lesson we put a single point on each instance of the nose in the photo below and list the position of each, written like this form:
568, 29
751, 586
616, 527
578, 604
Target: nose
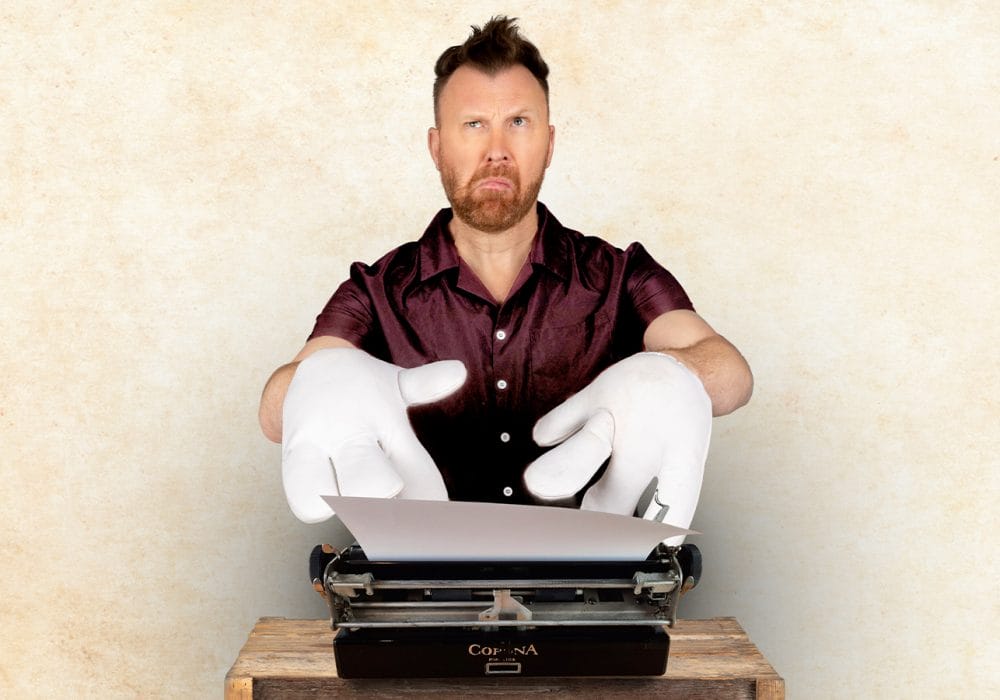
497, 149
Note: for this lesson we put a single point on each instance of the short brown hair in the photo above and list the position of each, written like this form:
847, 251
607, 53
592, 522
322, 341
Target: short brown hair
498, 45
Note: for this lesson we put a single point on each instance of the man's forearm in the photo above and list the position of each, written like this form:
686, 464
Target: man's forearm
722, 370
272, 400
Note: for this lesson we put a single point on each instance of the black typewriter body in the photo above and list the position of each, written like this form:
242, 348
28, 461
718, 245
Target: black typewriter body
531, 618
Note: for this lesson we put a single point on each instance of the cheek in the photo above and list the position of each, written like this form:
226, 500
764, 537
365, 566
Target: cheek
459, 157
534, 155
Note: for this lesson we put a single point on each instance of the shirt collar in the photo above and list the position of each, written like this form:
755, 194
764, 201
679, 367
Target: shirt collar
549, 249
437, 250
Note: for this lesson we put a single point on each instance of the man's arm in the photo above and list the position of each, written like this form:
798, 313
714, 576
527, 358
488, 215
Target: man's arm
272, 399
719, 365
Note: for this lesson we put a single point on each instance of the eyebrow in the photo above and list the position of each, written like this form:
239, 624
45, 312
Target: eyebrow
470, 114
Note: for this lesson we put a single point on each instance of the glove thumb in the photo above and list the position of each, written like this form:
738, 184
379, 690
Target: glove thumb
563, 420
566, 468
431, 382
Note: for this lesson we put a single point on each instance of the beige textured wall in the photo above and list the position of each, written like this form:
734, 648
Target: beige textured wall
183, 184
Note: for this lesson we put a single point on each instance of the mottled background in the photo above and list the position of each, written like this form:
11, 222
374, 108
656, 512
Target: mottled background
183, 184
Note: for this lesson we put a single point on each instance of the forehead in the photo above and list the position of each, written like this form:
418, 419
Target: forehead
470, 89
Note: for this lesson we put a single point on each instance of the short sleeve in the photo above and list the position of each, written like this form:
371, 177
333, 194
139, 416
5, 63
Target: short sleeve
652, 289
348, 314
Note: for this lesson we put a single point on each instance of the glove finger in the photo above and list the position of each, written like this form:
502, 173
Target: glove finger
361, 468
431, 382
563, 420
680, 476
566, 468
306, 474
623, 483
421, 477
678, 464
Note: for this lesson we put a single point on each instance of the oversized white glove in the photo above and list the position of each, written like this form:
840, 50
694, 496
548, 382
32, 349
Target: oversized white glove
652, 416
345, 430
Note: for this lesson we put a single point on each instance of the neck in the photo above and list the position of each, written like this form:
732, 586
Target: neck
495, 258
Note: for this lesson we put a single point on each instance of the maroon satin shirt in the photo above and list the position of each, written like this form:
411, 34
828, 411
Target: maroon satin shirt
578, 306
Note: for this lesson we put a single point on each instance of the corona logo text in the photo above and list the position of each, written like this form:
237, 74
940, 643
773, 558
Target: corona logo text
486, 650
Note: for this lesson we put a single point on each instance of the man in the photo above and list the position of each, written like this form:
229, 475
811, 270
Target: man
516, 334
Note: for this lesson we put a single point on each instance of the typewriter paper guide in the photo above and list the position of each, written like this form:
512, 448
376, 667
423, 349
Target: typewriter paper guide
411, 530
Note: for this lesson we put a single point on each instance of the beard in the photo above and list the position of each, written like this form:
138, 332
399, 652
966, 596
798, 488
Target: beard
490, 211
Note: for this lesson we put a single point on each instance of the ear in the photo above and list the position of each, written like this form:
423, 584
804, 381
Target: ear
552, 144
434, 146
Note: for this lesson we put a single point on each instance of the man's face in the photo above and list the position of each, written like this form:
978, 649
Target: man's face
492, 145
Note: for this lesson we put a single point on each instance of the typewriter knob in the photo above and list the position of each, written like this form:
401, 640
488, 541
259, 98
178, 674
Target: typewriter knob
689, 558
318, 559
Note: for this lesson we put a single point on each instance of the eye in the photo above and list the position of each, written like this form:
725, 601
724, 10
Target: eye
474, 124
519, 121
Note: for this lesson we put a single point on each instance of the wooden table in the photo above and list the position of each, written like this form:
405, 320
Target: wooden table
708, 659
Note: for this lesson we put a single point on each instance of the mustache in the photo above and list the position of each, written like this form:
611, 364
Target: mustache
500, 170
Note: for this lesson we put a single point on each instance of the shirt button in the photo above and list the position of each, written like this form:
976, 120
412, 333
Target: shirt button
504, 437
501, 334
502, 384
508, 491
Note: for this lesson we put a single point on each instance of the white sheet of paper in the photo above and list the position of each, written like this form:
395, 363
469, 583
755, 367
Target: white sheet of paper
411, 530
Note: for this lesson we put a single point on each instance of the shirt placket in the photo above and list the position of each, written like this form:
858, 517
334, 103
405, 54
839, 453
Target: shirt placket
504, 376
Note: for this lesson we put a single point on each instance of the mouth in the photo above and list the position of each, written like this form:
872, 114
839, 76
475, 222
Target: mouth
495, 183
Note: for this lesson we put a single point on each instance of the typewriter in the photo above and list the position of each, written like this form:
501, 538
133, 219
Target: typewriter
410, 619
